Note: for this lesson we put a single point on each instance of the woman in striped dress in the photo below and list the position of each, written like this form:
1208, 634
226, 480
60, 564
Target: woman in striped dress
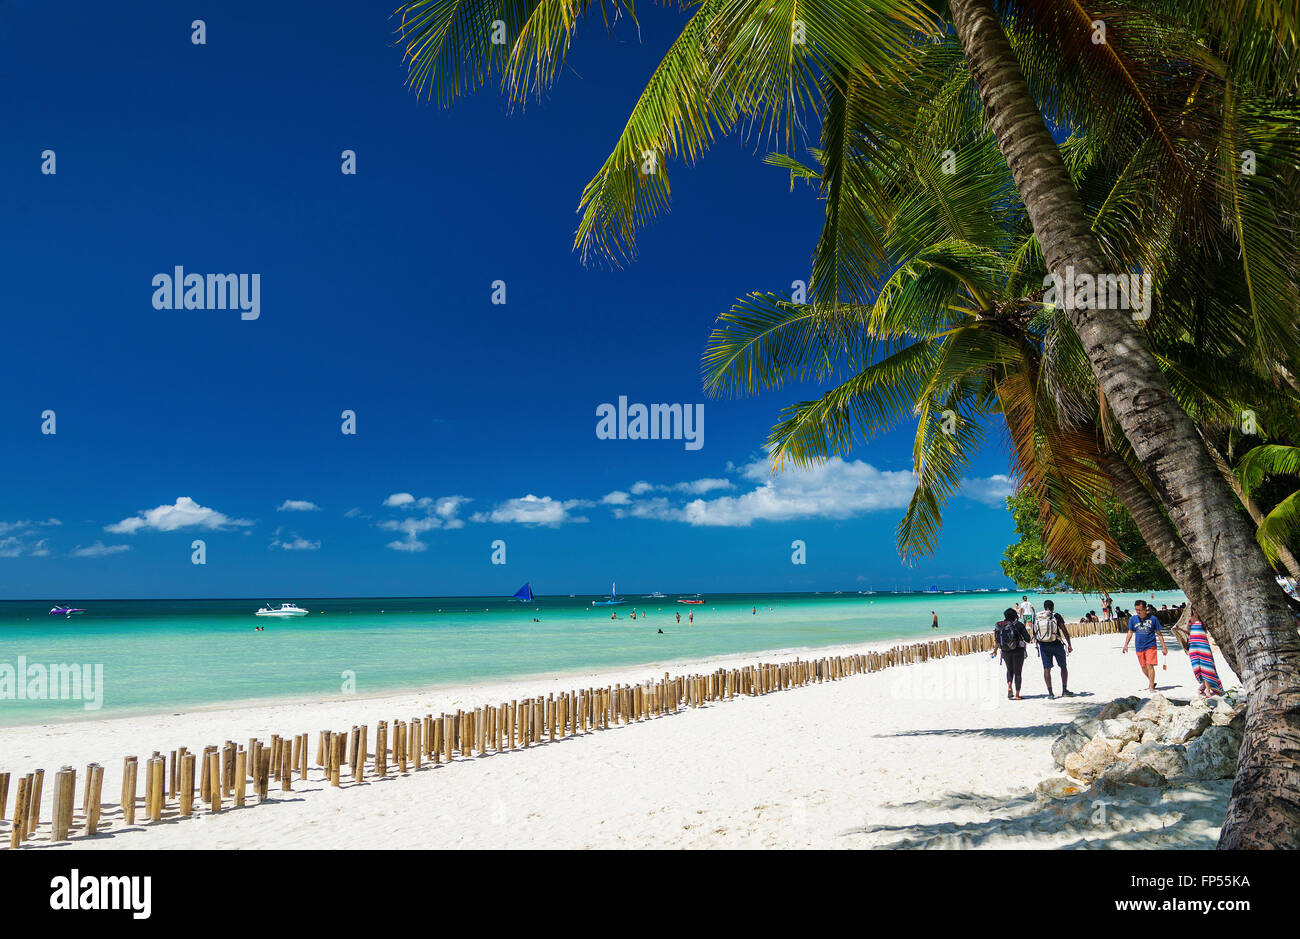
1198, 650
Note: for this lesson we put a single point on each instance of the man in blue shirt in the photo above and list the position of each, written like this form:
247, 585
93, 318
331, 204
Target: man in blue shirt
1144, 625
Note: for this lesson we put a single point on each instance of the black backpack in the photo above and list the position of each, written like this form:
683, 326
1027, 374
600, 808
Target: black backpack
1005, 634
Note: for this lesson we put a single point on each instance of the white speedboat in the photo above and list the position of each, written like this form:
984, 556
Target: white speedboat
285, 609
655, 596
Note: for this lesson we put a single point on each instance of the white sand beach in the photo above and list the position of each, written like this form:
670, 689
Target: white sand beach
925, 755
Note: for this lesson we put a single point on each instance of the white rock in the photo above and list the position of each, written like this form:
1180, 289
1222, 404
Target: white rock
1154, 710
1187, 724
1213, 755
1092, 759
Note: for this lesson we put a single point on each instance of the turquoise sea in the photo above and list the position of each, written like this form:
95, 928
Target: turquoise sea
166, 655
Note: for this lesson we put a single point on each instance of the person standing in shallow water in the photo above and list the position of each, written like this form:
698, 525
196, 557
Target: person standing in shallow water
1011, 639
934, 620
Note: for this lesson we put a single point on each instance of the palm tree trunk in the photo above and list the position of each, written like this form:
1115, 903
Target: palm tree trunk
1265, 809
1170, 551
1283, 552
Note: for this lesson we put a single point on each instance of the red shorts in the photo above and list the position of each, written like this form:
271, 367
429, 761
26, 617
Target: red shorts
1147, 657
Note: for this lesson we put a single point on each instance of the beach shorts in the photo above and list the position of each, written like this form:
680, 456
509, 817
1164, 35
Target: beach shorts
1052, 650
1146, 657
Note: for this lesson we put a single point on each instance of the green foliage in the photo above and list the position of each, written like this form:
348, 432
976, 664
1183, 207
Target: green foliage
1026, 561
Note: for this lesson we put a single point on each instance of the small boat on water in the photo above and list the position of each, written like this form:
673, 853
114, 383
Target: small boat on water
285, 609
523, 595
65, 611
684, 600
612, 601
655, 596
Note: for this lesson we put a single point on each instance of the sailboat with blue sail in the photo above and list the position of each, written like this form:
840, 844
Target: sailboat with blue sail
523, 595
612, 601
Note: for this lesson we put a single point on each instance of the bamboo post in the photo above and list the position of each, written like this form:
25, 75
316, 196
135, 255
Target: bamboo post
18, 830
228, 768
241, 776
205, 775
362, 747
34, 806
187, 785
172, 779
128, 790
61, 804
214, 775
4, 793
160, 787
417, 744
95, 788
263, 770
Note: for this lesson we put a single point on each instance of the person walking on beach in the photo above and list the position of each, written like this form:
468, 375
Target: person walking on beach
1144, 625
1198, 650
1011, 639
1106, 604
1026, 610
1049, 627
934, 620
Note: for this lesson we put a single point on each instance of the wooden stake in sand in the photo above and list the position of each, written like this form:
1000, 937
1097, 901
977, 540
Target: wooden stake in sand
187, 785
34, 804
241, 775
214, 775
65, 784
95, 784
18, 830
4, 793
128, 790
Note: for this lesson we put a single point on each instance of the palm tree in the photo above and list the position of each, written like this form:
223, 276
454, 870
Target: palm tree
967, 334
1163, 437
1144, 99
1282, 523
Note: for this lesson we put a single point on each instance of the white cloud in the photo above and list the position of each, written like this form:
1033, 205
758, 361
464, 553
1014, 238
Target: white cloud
991, 490
297, 505
295, 542
99, 550
186, 513
17, 540
700, 486
534, 510
439, 513
617, 497
25, 525
837, 489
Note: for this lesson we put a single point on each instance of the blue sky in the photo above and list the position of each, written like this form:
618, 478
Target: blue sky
475, 422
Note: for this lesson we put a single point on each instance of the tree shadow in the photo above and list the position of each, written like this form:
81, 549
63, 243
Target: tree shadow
1188, 817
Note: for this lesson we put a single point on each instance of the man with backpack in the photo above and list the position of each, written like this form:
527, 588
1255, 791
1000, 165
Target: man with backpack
1011, 639
1049, 627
